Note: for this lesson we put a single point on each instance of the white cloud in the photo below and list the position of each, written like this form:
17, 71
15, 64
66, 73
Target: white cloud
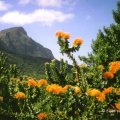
43, 3
24, 2
56, 3
68, 4
43, 16
49, 3
4, 6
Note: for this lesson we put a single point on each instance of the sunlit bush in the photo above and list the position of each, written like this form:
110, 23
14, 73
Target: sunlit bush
92, 93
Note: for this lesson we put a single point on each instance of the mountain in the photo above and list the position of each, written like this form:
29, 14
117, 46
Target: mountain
23, 51
16, 40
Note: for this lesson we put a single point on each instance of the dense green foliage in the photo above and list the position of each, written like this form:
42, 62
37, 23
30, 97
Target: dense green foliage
57, 73
106, 47
92, 93
61, 97
28, 66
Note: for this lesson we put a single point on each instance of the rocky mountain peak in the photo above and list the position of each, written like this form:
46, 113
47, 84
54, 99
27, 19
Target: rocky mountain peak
14, 30
17, 41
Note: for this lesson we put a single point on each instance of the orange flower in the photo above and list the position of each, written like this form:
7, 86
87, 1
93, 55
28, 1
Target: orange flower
101, 67
32, 82
65, 88
56, 89
42, 116
93, 92
100, 97
107, 90
42, 82
114, 66
107, 75
64, 35
78, 41
59, 34
20, 95
77, 90
117, 105
49, 88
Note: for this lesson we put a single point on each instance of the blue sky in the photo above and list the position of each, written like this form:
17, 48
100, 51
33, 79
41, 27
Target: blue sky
42, 18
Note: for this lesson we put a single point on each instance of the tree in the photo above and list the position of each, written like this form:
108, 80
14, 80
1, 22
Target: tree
106, 47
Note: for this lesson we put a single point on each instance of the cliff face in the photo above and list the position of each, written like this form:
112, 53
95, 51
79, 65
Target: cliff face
16, 40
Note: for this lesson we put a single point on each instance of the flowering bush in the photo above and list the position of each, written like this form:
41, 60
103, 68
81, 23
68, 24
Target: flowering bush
91, 93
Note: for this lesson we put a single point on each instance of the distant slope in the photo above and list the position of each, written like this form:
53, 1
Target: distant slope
17, 41
27, 65
21, 50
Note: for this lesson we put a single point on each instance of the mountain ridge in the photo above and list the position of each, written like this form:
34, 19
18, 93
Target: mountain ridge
17, 41
28, 55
